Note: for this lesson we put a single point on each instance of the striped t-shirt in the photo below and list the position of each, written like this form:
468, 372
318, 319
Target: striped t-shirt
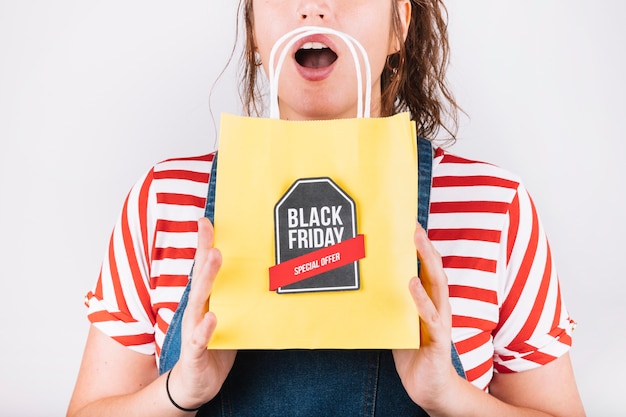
508, 315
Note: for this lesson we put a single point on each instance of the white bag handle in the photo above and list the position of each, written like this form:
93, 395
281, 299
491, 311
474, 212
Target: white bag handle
302, 32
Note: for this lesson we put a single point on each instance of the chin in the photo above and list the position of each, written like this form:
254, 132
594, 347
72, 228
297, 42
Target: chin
320, 111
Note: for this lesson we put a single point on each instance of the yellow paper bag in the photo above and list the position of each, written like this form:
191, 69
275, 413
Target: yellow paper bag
266, 166
375, 162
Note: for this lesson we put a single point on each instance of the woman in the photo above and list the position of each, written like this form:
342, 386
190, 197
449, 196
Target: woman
487, 281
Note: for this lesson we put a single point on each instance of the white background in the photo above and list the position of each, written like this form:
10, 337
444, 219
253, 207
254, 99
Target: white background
93, 93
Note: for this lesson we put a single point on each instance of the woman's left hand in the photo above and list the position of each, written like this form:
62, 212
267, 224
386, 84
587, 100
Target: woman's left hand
427, 372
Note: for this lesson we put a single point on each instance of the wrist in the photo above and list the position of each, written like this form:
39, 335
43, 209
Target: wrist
448, 400
182, 404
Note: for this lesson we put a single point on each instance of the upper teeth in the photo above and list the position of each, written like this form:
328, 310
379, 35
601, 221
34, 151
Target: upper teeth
314, 45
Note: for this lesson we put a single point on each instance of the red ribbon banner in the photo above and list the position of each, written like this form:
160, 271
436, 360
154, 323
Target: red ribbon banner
317, 262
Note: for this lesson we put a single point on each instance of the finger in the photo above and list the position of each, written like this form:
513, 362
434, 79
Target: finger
432, 274
206, 265
202, 282
426, 252
205, 244
427, 311
432, 325
204, 331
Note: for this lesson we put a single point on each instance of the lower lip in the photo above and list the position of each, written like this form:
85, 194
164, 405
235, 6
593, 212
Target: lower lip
315, 74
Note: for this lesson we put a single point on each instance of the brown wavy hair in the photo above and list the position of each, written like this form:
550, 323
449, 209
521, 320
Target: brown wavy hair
413, 79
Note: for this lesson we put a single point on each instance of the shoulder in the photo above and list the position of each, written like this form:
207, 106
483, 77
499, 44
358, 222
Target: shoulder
170, 197
192, 168
181, 179
464, 171
470, 186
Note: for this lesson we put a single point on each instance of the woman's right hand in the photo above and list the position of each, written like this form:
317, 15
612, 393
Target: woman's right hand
199, 374
116, 380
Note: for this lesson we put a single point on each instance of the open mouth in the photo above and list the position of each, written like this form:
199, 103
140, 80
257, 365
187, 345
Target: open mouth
315, 55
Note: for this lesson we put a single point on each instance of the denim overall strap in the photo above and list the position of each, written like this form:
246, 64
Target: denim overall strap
424, 179
170, 350
424, 185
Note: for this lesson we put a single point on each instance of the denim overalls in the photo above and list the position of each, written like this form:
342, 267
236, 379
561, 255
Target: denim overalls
310, 382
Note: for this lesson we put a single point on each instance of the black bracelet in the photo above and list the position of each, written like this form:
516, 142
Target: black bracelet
167, 389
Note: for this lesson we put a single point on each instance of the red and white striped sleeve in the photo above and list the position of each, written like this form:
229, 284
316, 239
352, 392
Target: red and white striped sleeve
120, 305
150, 254
534, 327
